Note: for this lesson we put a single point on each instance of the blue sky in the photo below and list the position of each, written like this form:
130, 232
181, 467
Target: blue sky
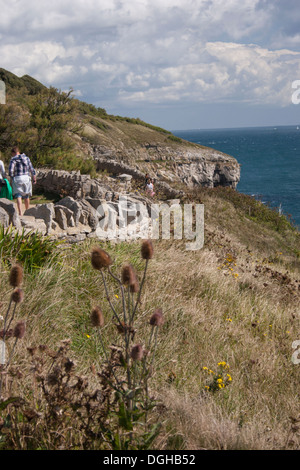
178, 64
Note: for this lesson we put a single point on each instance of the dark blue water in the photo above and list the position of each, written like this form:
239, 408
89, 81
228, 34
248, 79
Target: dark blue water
269, 158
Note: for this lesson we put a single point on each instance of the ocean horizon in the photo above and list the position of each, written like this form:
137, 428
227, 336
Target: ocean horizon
270, 161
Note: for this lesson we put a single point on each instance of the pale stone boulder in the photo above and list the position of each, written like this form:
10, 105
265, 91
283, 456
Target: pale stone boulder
4, 217
64, 216
11, 209
43, 211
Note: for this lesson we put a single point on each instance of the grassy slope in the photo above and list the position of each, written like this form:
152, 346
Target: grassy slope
236, 300
127, 137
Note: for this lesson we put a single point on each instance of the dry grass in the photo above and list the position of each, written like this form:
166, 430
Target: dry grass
233, 301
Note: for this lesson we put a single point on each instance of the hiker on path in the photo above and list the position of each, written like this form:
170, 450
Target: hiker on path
150, 187
5, 188
21, 170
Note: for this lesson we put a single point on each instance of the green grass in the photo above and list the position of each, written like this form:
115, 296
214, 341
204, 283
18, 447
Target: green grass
30, 249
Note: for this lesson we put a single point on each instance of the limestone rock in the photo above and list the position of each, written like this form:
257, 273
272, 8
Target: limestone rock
64, 216
73, 205
4, 217
11, 209
89, 215
43, 211
30, 223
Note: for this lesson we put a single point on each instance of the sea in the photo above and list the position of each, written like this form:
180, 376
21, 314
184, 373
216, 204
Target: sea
269, 159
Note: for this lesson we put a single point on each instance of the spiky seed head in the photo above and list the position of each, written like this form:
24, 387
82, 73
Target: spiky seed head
134, 287
137, 352
19, 330
16, 275
147, 249
97, 317
100, 259
17, 296
128, 275
157, 318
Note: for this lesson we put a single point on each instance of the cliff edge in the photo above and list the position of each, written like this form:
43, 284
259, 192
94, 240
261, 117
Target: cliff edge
61, 132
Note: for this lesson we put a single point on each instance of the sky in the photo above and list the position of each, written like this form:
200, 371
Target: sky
177, 64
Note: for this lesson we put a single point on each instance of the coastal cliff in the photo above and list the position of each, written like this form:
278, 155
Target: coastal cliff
61, 132
193, 166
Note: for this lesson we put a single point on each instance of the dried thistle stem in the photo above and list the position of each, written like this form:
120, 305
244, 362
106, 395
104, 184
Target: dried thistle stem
109, 301
122, 294
139, 293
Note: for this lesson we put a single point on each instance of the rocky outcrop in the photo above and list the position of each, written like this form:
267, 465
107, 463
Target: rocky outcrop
91, 207
191, 165
74, 220
69, 183
11, 210
77, 186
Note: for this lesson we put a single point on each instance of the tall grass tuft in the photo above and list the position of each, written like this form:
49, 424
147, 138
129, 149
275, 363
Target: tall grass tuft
31, 249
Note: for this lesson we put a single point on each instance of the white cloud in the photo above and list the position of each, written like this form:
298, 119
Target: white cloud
159, 51
230, 71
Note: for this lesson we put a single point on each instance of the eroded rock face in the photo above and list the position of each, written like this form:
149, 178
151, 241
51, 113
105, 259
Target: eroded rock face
191, 165
86, 203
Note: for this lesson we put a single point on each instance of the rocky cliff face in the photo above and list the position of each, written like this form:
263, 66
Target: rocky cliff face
191, 165
140, 146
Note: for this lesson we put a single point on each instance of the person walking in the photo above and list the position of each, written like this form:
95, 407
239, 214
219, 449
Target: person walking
150, 187
21, 170
5, 188
2, 170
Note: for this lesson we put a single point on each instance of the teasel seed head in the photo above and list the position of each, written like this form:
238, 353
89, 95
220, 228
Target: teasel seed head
100, 259
147, 249
157, 318
134, 287
97, 317
19, 330
17, 296
128, 275
16, 276
129, 278
137, 352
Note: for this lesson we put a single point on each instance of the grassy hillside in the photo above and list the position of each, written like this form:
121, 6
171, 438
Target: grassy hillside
223, 376
214, 369
57, 130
